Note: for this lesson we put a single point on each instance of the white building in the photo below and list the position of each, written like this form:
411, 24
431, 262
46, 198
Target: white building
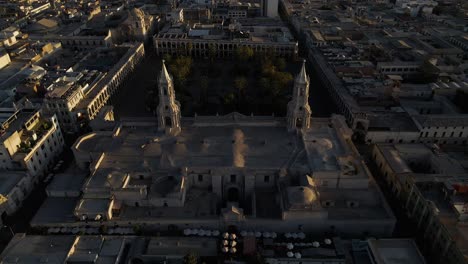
29, 146
62, 101
4, 59
430, 185
201, 40
30, 142
278, 173
416, 7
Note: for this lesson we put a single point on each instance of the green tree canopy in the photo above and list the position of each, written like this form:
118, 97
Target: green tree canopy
240, 83
212, 51
244, 53
180, 68
191, 258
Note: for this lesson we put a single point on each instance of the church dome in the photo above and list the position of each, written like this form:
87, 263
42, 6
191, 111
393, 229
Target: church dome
137, 13
301, 197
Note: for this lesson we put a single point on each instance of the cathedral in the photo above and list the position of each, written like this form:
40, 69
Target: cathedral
261, 173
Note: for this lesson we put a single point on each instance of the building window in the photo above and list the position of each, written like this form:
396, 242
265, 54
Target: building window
233, 178
266, 178
200, 177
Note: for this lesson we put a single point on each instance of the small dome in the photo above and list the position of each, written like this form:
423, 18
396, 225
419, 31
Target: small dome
301, 196
137, 13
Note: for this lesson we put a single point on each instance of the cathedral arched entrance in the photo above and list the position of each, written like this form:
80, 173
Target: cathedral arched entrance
360, 126
233, 194
167, 121
299, 122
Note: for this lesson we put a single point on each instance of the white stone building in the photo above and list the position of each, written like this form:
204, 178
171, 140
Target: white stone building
29, 146
30, 142
281, 174
4, 59
431, 187
201, 40
62, 101
98, 95
443, 129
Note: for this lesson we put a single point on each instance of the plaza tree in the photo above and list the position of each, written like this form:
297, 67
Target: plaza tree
244, 53
180, 69
228, 99
189, 49
212, 51
204, 83
240, 83
273, 81
283, 79
191, 258
280, 63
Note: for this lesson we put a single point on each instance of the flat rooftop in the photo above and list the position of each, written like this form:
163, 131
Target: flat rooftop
395, 251
207, 143
70, 180
62, 90
392, 121
217, 146
55, 210
37, 249
163, 246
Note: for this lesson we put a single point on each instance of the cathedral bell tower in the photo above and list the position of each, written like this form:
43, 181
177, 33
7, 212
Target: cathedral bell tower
168, 110
299, 112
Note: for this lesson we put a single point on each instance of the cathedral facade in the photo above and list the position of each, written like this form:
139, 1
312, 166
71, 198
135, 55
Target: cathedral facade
234, 171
